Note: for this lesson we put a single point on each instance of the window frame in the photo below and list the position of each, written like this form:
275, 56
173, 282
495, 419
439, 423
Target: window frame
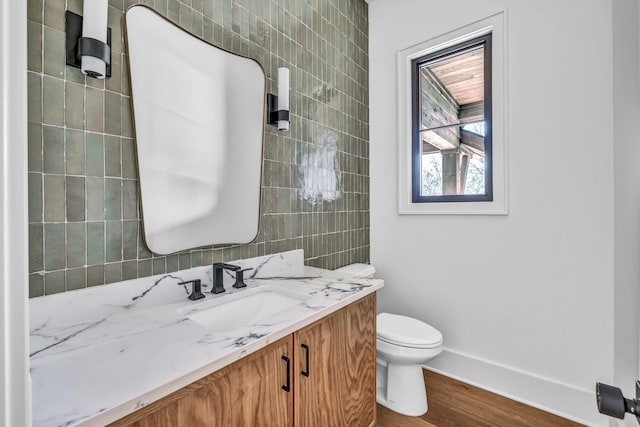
435, 41
483, 41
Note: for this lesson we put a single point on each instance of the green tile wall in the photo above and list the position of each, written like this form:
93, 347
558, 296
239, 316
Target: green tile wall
84, 224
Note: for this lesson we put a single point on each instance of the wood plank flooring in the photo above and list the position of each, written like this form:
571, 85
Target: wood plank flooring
453, 403
388, 418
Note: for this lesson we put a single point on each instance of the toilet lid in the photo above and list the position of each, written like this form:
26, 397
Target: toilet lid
406, 331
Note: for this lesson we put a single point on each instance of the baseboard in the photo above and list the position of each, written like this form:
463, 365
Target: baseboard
576, 404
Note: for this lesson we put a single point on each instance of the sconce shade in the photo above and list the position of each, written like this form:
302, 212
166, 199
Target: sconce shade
94, 26
283, 96
278, 105
78, 47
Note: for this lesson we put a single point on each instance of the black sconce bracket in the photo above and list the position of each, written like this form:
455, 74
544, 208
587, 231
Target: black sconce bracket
274, 114
77, 46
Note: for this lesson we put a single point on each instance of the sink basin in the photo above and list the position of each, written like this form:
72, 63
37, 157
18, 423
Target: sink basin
243, 308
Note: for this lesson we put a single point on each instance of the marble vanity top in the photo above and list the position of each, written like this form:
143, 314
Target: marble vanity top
99, 354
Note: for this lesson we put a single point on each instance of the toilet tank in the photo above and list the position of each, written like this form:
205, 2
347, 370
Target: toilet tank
358, 270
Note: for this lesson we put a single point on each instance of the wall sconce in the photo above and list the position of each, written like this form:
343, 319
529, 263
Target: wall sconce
88, 43
279, 105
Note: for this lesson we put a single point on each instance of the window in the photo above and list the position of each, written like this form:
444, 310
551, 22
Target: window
451, 123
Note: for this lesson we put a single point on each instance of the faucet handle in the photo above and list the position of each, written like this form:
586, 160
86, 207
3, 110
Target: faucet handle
196, 289
240, 278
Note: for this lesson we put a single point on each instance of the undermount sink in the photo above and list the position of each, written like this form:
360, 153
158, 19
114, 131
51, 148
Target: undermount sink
243, 308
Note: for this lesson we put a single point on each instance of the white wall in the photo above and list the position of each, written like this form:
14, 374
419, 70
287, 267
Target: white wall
626, 98
525, 301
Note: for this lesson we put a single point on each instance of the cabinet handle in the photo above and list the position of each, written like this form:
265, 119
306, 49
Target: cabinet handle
287, 387
305, 372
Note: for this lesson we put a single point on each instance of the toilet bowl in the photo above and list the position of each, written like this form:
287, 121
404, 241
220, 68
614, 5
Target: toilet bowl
404, 344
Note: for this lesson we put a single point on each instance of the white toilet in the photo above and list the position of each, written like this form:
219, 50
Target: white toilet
404, 344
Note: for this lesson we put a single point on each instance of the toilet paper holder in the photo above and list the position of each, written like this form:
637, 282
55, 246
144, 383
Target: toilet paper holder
612, 402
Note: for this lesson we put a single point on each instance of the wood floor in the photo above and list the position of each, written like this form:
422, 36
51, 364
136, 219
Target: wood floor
388, 418
455, 404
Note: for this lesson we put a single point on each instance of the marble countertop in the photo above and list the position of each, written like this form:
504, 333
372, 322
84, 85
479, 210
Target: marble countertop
99, 354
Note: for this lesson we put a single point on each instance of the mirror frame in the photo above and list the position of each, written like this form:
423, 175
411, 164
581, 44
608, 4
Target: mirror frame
259, 212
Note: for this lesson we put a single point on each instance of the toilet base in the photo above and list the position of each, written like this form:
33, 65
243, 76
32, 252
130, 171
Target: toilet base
403, 389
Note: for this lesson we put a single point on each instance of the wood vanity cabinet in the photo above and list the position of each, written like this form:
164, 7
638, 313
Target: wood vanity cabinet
246, 393
331, 379
340, 387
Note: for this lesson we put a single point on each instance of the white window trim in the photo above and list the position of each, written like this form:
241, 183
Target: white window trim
14, 335
496, 25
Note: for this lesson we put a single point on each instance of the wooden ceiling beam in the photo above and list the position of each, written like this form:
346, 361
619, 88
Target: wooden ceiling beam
428, 148
472, 111
434, 138
474, 141
430, 78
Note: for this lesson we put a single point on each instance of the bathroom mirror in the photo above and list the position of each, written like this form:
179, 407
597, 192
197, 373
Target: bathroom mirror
199, 114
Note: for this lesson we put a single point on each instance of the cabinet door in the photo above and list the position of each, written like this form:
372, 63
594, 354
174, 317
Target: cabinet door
247, 393
340, 387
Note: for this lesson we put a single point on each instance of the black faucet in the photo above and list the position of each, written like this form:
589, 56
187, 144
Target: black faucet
196, 289
240, 278
218, 278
